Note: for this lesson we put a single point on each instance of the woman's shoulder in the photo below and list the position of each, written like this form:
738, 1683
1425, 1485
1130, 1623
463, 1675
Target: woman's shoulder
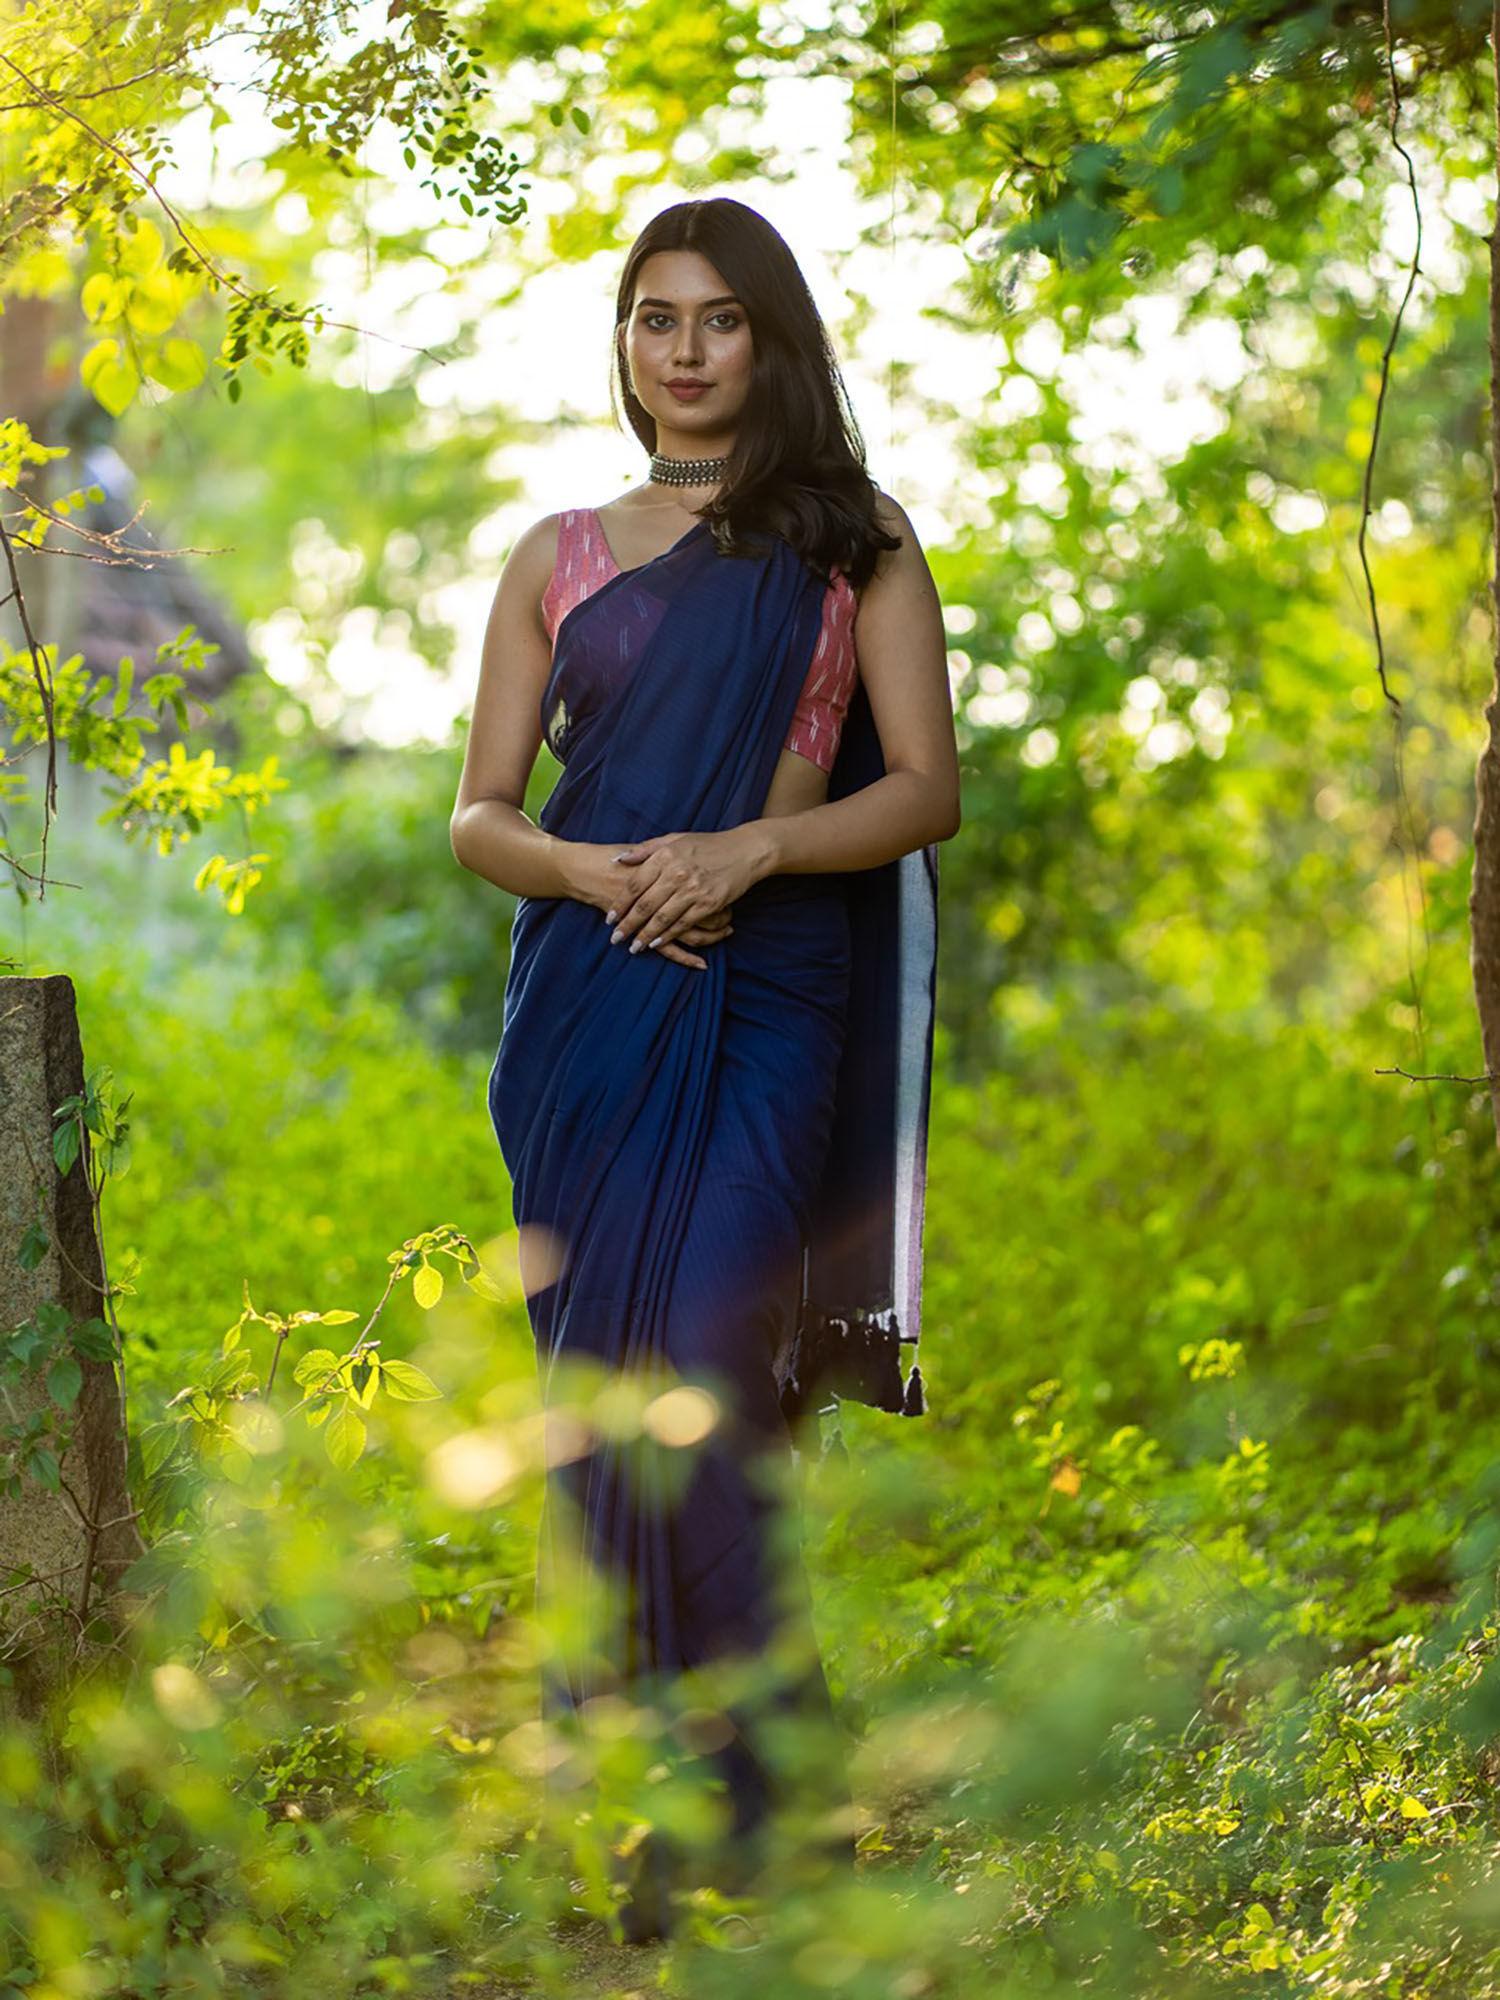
890, 514
893, 518
536, 556
536, 545
539, 547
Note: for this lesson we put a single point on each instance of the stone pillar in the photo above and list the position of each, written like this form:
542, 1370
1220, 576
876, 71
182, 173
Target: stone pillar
41, 1064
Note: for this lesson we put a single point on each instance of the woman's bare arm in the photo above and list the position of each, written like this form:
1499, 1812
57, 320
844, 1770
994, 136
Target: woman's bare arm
490, 834
488, 830
902, 651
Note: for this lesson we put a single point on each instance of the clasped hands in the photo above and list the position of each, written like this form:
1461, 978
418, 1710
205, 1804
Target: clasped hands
671, 891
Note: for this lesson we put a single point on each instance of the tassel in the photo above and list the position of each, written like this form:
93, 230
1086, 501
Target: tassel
914, 1402
852, 1352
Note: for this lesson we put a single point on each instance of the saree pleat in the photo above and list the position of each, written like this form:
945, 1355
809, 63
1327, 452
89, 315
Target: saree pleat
667, 1132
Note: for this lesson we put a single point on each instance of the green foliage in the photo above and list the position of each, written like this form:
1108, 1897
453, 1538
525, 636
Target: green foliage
323, 85
86, 140
364, 510
93, 719
1167, 1641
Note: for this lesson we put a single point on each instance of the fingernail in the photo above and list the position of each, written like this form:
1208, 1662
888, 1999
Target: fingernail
636, 943
616, 935
653, 942
611, 916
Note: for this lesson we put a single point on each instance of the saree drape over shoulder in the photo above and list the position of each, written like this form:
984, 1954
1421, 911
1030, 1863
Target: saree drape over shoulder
728, 1164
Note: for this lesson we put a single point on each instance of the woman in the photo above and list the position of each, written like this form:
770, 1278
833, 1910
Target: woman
712, 1082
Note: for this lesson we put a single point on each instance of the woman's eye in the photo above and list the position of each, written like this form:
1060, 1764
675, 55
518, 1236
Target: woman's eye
733, 318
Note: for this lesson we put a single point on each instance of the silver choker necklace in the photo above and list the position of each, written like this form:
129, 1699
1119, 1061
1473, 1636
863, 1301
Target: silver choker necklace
687, 471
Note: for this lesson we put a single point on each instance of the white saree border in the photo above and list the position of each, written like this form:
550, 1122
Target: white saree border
853, 1353
917, 916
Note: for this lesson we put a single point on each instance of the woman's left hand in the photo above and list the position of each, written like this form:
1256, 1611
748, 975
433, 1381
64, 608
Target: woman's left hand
681, 879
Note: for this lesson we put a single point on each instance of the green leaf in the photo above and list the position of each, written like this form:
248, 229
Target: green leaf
43, 1464
367, 1381
64, 1380
228, 1373
141, 246
151, 309
33, 1248
427, 1285
486, 1287
235, 1462
177, 364
314, 1365
345, 1437
65, 1145
101, 296
157, 1445
94, 1339
110, 375
407, 1383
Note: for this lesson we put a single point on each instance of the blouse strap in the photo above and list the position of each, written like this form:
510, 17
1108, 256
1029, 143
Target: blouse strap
563, 566
568, 524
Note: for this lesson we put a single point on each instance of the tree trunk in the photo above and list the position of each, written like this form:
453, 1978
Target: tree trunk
74, 1540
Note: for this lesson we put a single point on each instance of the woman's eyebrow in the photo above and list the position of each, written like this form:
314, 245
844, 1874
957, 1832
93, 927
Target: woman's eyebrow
728, 299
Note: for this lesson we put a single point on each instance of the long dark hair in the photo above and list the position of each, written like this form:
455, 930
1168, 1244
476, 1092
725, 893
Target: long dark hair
798, 465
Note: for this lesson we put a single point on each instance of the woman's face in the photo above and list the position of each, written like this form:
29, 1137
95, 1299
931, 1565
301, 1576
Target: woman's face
686, 325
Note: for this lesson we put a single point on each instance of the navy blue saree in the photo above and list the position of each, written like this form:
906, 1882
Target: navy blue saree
727, 1165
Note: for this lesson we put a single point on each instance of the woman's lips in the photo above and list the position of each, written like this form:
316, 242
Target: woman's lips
686, 393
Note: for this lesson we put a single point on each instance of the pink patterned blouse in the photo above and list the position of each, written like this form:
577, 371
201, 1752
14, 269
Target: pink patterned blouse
584, 563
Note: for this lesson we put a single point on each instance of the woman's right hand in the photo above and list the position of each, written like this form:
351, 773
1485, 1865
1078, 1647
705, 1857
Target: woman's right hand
596, 878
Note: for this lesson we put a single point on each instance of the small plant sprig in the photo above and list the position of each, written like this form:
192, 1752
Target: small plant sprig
226, 1418
165, 800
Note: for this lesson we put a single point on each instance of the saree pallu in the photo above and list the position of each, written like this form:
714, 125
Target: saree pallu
726, 1166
